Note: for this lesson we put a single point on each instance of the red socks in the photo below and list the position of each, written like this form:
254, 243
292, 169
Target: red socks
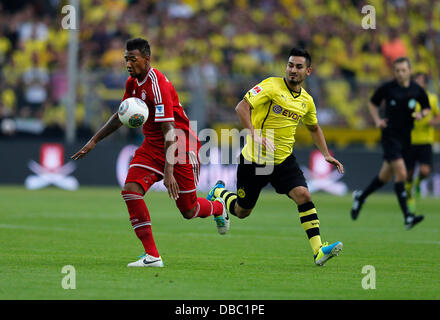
206, 208
140, 220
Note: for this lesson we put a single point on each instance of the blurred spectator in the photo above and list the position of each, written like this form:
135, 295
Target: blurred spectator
212, 50
393, 48
35, 80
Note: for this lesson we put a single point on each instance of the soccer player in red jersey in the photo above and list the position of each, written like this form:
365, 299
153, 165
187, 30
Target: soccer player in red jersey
169, 152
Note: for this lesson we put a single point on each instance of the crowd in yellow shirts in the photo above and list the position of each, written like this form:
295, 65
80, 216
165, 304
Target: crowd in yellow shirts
230, 45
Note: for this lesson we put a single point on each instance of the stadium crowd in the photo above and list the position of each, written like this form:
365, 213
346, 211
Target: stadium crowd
221, 46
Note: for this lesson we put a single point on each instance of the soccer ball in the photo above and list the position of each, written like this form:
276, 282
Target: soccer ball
133, 112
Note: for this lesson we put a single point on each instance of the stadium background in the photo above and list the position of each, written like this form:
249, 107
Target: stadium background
213, 51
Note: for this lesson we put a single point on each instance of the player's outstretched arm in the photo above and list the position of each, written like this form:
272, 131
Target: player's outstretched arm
111, 126
319, 140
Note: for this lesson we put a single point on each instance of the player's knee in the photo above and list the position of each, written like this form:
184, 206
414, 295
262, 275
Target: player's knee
385, 177
424, 171
401, 177
306, 197
302, 195
187, 213
133, 187
242, 213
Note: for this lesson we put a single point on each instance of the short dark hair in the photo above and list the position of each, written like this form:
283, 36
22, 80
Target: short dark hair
402, 59
421, 74
300, 52
138, 43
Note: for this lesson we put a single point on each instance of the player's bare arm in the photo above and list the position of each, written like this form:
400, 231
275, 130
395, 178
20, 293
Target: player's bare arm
111, 126
319, 140
379, 122
170, 148
243, 110
435, 121
421, 114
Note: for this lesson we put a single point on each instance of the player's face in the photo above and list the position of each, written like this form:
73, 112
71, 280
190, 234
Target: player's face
136, 63
402, 72
297, 70
420, 79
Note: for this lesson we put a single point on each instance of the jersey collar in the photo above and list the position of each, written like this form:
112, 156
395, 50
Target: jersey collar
145, 79
293, 93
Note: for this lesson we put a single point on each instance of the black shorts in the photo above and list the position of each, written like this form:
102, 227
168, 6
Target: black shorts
251, 178
395, 146
419, 153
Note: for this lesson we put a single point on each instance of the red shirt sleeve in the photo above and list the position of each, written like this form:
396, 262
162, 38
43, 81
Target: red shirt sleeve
128, 89
163, 103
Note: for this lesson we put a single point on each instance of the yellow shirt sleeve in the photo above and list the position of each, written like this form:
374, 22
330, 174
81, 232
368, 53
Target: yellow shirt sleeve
260, 95
434, 105
310, 117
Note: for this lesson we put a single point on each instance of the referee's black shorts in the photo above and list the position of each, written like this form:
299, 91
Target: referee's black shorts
395, 146
419, 153
251, 178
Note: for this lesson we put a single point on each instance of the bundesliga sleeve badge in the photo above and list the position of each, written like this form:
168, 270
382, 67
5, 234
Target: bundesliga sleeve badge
256, 90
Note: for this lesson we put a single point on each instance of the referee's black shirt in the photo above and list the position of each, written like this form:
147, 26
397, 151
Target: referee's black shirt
400, 104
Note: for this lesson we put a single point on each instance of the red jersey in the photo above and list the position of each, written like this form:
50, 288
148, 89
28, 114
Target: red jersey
163, 104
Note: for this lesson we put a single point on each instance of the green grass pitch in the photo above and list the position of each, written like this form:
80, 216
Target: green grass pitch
266, 256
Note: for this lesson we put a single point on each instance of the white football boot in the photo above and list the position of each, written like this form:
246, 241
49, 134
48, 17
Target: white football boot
222, 221
147, 261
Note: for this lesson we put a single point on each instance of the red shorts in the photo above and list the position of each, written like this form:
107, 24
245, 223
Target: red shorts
146, 168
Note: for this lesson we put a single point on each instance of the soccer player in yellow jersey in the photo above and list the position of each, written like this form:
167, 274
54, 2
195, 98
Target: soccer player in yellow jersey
422, 138
271, 111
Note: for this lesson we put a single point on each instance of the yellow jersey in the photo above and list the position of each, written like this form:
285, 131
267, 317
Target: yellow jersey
423, 132
276, 112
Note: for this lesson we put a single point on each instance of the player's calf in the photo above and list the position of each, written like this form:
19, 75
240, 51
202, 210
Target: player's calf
140, 220
191, 206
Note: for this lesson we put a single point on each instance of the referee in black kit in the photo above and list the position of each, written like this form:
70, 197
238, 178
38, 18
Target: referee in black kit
400, 97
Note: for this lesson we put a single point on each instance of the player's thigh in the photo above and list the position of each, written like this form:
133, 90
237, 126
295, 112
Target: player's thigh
140, 177
289, 179
249, 184
187, 176
394, 147
144, 169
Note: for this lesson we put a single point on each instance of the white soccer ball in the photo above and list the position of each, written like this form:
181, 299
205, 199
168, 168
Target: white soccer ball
133, 112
